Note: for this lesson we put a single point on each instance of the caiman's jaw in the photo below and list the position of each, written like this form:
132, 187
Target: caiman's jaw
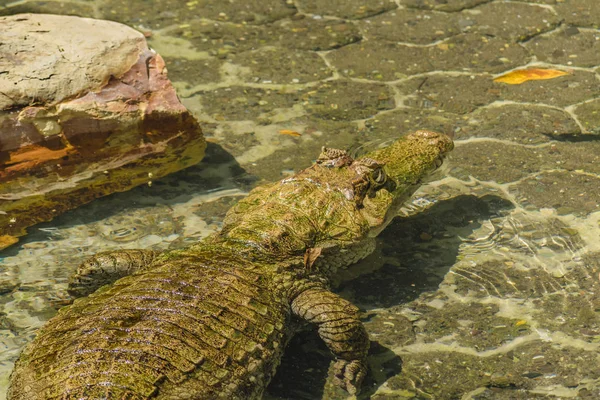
406, 162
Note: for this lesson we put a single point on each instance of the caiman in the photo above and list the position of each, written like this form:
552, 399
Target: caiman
212, 320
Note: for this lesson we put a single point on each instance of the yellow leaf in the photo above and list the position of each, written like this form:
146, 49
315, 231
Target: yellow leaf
523, 75
289, 132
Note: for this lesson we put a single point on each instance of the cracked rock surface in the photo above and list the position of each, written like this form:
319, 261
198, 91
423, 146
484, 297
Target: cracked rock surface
487, 286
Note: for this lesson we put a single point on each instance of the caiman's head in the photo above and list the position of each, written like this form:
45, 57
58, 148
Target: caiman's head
336, 203
384, 179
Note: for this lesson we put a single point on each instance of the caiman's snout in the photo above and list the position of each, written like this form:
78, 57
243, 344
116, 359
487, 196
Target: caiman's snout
407, 162
442, 142
412, 157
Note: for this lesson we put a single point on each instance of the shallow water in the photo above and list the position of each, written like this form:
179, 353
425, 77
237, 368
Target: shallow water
464, 280
488, 284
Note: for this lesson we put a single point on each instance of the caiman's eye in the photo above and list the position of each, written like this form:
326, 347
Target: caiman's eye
371, 171
369, 178
379, 176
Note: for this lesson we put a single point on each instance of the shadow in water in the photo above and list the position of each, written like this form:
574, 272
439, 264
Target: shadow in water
573, 137
413, 256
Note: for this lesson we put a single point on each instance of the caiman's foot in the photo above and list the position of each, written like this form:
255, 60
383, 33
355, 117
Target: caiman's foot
341, 330
349, 374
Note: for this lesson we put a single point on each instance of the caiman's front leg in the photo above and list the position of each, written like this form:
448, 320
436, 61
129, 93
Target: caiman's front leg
342, 331
104, 268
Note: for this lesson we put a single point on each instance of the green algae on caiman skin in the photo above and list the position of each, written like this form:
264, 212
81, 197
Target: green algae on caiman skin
212, 320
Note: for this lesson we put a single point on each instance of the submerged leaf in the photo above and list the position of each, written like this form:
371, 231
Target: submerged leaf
523, 75
290, 132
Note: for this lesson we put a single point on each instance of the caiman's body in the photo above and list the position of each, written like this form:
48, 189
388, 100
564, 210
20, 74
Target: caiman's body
212, 320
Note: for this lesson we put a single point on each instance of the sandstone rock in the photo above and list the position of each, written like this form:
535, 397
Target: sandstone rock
86, 110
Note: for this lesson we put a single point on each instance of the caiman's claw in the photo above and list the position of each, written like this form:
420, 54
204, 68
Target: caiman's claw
349, 374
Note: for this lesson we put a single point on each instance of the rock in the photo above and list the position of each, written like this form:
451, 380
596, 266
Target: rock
86, 110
